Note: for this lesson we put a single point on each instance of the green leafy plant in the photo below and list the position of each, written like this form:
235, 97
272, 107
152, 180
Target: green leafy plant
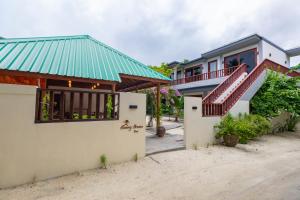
278, 94
227, 126
162, 69
45, 107
103, 161
247, 127
292, 122
174, 100
195, 147
109, 106
76, 116
136, 157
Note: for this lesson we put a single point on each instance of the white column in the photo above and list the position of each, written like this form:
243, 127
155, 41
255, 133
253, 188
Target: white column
175, 73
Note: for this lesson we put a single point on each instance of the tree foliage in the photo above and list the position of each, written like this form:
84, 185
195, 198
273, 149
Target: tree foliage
278, 93
297, 67
163, 69
173, 102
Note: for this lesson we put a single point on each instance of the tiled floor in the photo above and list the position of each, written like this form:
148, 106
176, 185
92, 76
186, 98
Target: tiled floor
174, 138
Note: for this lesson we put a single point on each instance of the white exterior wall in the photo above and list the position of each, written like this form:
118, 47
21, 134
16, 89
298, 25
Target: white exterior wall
277, 55
198, 130
30, 151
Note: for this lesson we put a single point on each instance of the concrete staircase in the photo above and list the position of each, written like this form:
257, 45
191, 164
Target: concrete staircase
240, 86
231, 88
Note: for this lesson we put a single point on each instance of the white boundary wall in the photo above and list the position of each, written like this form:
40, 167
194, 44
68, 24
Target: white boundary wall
30, 151
198, 130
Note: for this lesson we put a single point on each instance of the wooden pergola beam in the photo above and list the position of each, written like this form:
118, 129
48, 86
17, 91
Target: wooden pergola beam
54, 77
137, 87
141, 78
141, 82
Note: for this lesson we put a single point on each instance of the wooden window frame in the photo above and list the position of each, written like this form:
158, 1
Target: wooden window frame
208, 68
238, 56
39, 98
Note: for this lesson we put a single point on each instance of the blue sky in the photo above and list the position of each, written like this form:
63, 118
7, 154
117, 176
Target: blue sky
155, 31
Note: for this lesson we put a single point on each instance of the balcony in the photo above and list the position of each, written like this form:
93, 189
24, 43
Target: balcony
205, 76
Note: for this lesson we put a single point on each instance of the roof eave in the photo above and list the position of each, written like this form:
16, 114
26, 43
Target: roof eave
244, 42
54, 76
293, 52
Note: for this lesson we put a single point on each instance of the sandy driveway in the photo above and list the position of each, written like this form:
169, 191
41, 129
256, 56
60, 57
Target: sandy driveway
265, 169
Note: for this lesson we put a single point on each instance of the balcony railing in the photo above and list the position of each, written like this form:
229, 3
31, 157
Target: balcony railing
205, 76
53, 105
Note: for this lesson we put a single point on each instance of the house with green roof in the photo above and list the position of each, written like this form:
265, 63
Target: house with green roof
66, 101
70, 62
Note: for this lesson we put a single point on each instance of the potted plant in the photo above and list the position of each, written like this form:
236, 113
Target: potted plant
226, 129
161, 131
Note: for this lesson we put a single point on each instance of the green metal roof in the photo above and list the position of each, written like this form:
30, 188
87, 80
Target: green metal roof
73, 56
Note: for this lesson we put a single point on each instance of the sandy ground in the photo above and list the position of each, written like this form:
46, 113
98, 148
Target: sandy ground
268, 168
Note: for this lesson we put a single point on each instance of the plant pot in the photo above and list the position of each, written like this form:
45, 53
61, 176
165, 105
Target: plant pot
161, 131
231, 140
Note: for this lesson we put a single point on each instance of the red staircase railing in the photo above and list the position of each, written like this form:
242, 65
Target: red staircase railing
219, 109
205, 76
212, 96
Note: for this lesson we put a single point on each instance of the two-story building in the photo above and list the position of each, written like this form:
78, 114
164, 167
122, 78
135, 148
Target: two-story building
201, 75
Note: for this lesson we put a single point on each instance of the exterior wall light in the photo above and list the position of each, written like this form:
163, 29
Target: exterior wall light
133, 106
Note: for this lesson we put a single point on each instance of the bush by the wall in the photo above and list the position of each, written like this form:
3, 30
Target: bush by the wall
247, 127
278, 94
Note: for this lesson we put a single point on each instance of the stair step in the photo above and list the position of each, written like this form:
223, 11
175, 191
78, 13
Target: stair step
231, 88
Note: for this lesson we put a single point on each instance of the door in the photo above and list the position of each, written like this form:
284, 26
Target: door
230, 63
248, 57
212, 69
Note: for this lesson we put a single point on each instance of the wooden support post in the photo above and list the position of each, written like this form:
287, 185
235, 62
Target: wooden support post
62, 105
157, 107
51, 105
38, 105
89, 111
113, 104
71, 105
80, 104
105, 107
113, 88
97, 105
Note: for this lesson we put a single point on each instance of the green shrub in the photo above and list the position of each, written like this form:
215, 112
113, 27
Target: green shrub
227, 126
103, 161
109, 106
45, 107
247, 127
245, 130
278, 94
136, 157
292, 122
251, 126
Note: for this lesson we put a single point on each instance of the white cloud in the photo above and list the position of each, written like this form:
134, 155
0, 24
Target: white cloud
155, 31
